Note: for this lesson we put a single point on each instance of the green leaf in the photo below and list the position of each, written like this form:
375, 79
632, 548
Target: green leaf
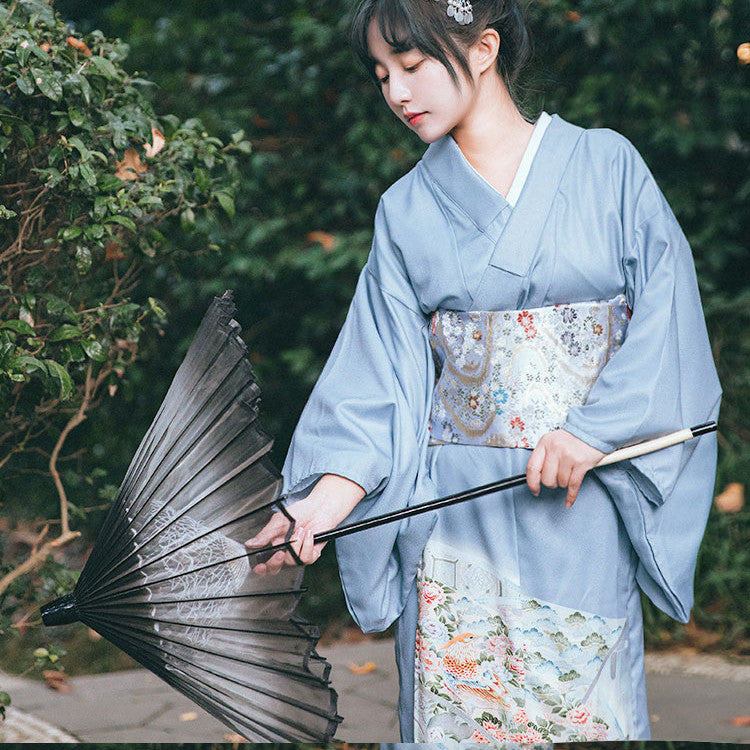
77, 143
49, 83
76, 116
226, 201
59, 373
202, 179
103, 66
29, 364
108, 183
65, 331
19, 326
94, 231
73, 352
87, 173
25, 84
125, 221
95, 350
187, 218
83, 260
70, 233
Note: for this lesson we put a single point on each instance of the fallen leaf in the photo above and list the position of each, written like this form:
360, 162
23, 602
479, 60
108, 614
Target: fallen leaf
113, 251
234, 737
57, 681
45, 46
130, 166
573, 15
327, 240
78, 44
189, 716
23, 624
743, 53
366, 668
732, 499
157, 144
741, 721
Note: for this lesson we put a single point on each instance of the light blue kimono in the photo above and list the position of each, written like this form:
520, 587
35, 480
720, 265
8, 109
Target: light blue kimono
590, 224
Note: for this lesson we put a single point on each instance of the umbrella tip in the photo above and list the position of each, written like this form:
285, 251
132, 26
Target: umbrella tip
61, 611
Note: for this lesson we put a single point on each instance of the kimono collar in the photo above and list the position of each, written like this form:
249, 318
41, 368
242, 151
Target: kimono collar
451, 170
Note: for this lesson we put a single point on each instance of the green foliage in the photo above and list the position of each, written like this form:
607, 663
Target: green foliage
324, 147
96, 192
90, 191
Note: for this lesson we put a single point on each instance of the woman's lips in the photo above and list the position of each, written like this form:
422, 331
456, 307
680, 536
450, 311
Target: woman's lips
415, 118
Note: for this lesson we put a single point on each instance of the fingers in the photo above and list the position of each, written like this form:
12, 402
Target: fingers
574, 486
534, 468
276, 527
302, 542
560, 460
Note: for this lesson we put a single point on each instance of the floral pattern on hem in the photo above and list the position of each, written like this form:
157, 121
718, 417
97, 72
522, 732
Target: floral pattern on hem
494, 666
507, 377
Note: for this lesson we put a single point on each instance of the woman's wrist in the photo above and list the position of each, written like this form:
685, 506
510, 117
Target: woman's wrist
333, 498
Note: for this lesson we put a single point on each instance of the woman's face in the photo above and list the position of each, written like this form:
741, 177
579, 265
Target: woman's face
419, 89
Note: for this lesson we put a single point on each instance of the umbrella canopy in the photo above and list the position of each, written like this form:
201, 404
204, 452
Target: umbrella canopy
169, 580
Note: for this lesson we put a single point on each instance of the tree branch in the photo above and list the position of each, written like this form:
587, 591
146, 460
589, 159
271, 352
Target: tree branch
37, 558
73, 422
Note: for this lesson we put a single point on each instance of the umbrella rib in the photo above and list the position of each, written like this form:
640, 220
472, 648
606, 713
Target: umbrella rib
281, 698
175, 492
132, 478
157, 665
302, 675
298, 636
146, 585
91, 591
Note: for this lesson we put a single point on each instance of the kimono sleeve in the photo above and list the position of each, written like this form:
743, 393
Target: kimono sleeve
662, 379
367, 420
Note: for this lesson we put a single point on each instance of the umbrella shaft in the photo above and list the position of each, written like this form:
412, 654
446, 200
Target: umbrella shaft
414, 510
631, 451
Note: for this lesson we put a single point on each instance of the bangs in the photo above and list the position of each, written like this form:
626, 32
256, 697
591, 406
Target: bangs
406, 25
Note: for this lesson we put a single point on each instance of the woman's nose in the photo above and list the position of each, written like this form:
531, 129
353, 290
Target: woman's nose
399, 91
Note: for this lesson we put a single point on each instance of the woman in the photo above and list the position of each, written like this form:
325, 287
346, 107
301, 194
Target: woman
541, 268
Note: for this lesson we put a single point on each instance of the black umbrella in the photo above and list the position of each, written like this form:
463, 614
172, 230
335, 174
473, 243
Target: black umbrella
168, 580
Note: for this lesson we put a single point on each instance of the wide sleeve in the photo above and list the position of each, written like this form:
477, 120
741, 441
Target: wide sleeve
662, 379
366, 420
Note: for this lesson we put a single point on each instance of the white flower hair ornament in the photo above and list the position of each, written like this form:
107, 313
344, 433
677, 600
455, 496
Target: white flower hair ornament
460, 10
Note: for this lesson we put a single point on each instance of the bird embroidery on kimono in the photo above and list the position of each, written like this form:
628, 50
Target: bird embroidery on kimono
464, 676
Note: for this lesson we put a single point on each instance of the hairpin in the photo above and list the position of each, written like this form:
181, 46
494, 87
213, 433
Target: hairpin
461, 11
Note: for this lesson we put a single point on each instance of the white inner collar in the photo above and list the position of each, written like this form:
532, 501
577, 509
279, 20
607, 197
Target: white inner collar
528, 157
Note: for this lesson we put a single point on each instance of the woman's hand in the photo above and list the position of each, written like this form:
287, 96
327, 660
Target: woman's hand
561, 460
328, 504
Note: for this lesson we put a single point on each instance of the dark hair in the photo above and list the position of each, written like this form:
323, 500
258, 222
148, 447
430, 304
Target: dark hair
426, 26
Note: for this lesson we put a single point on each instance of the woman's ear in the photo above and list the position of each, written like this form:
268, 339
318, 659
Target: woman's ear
486, 49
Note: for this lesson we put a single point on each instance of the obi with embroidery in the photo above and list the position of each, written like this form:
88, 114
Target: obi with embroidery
506, 377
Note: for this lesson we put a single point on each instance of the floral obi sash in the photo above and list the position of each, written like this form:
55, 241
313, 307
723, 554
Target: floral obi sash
505, 378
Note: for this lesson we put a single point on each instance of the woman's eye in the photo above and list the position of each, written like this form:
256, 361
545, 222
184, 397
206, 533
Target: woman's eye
382, 81
412, 68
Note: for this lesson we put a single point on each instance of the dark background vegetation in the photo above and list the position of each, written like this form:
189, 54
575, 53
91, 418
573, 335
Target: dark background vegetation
665, 73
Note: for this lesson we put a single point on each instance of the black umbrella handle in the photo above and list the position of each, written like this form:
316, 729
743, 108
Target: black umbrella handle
621, 454
631, 451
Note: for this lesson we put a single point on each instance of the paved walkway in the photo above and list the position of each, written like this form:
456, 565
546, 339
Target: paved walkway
690, 698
